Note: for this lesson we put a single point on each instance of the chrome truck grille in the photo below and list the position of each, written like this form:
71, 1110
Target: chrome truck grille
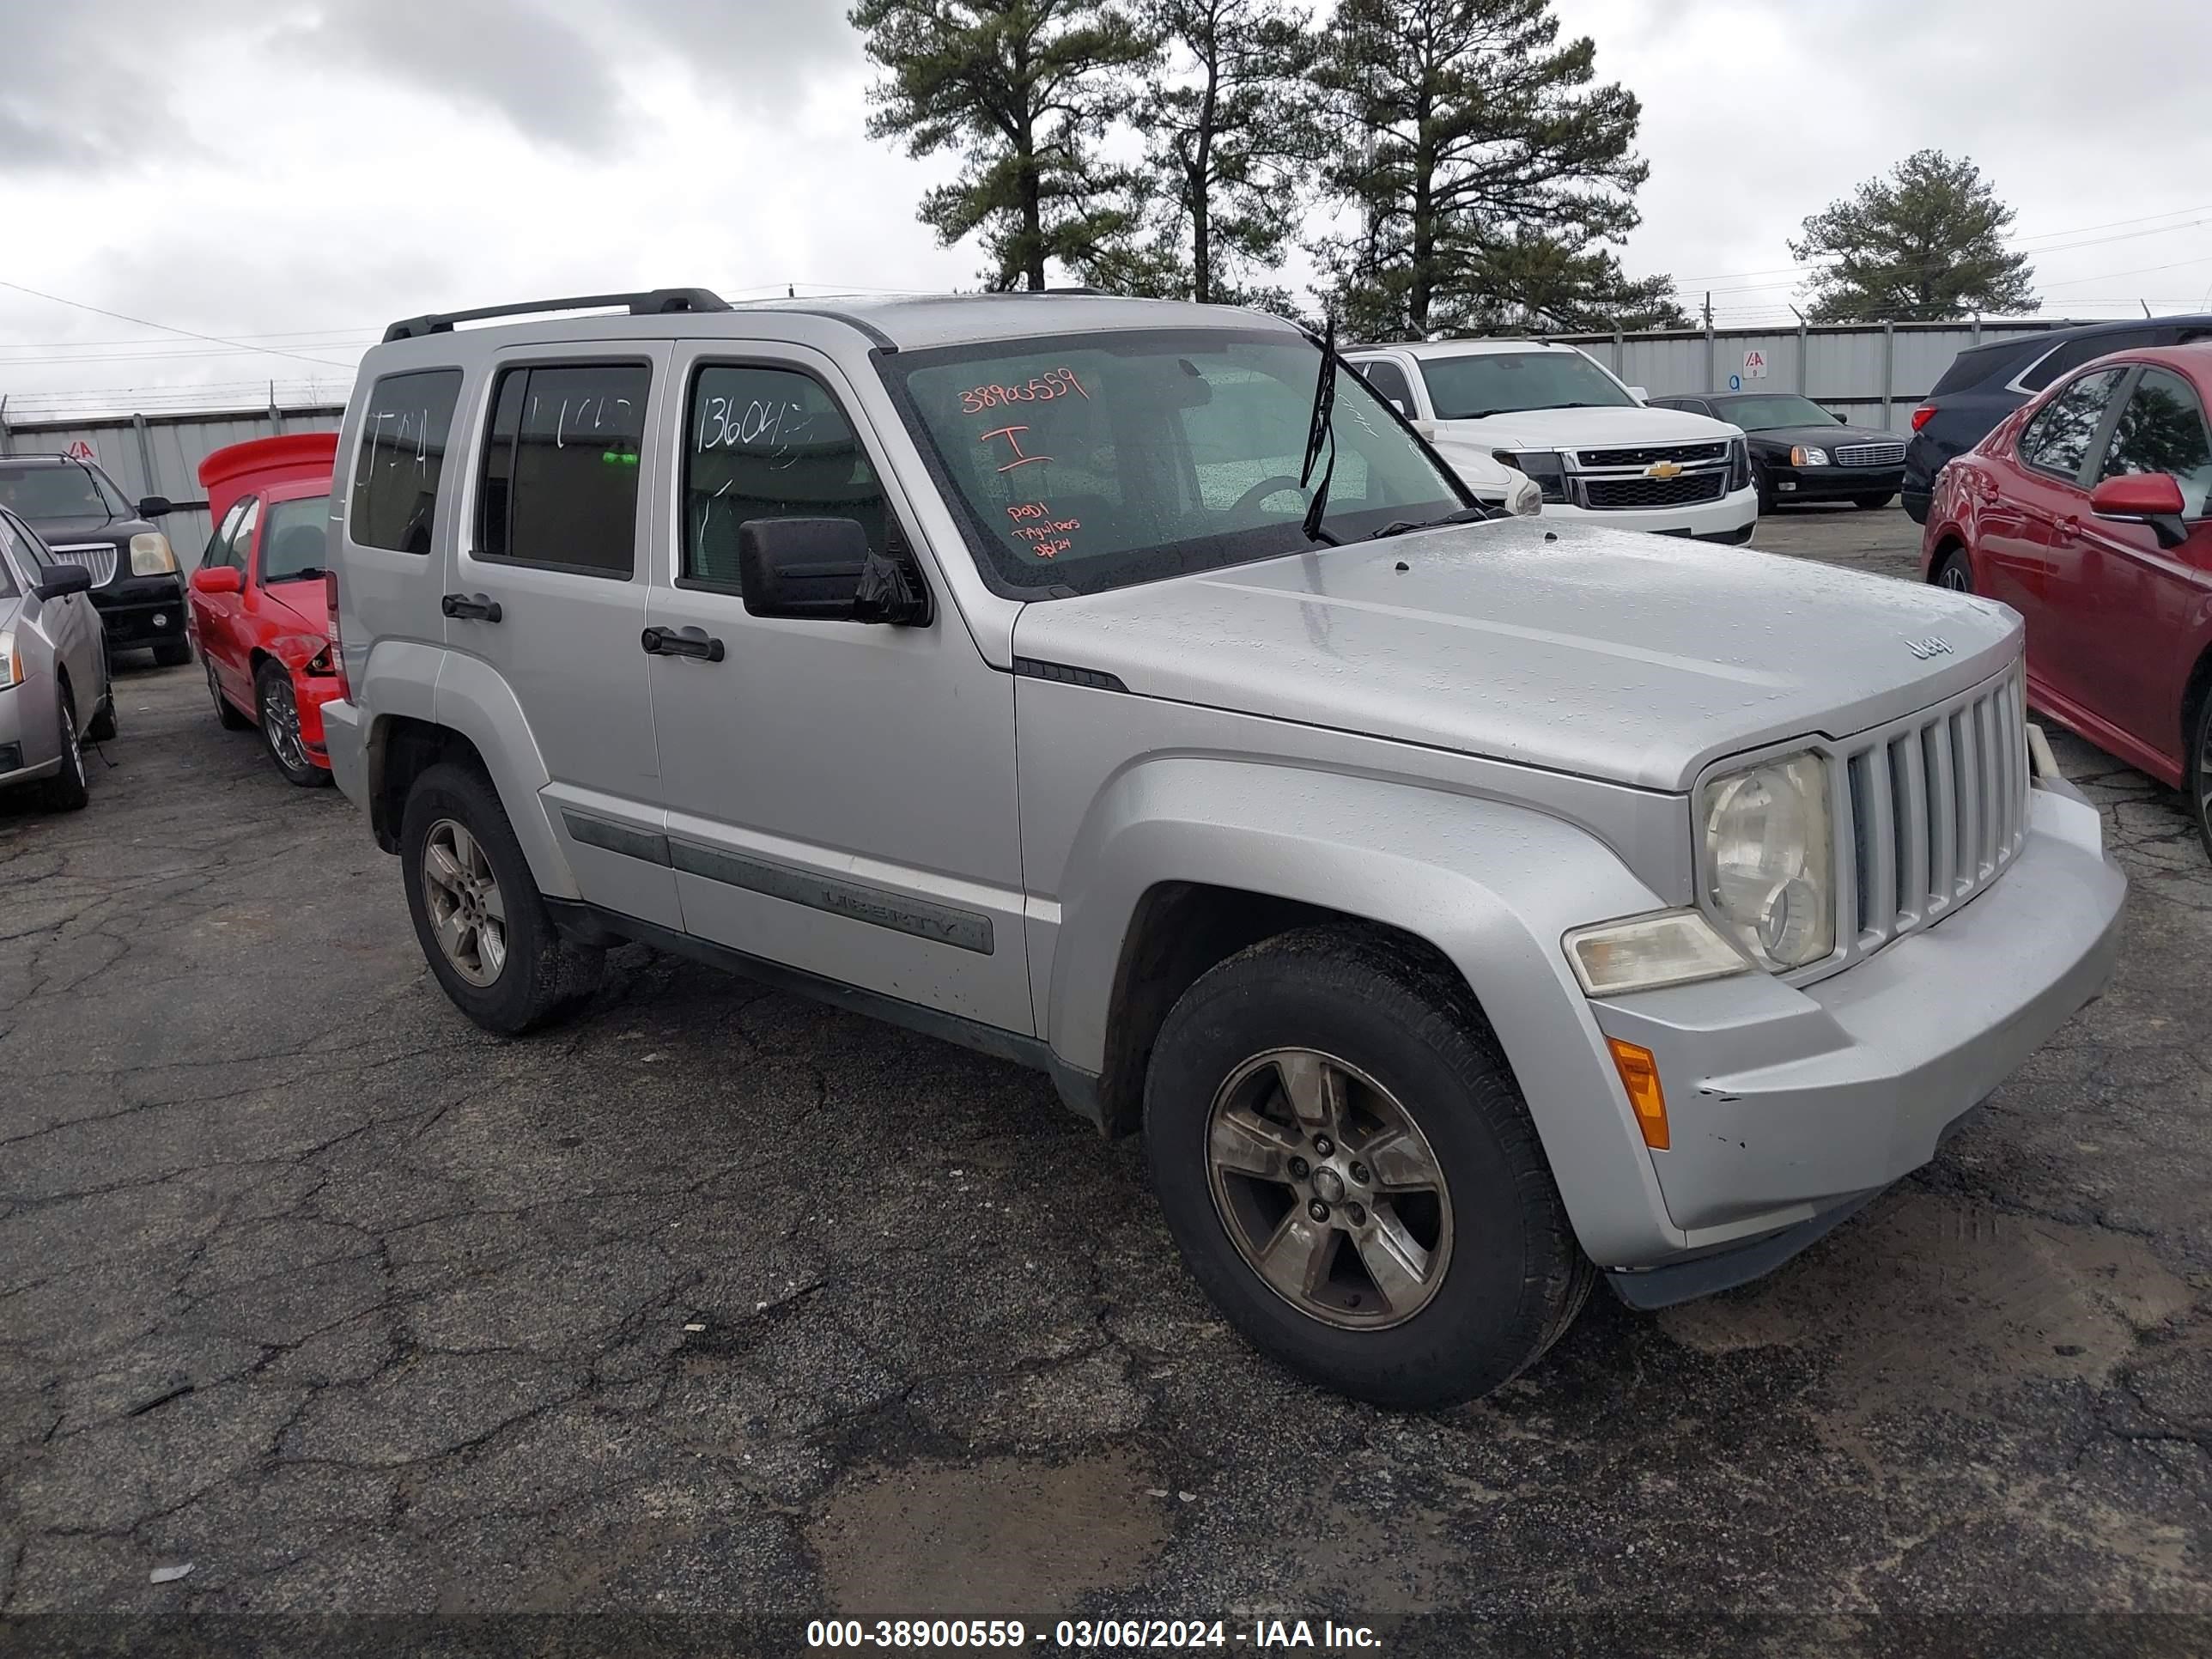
98, 558
1937, 806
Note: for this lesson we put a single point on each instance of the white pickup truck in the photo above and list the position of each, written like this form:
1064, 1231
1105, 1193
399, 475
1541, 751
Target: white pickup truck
1593, 445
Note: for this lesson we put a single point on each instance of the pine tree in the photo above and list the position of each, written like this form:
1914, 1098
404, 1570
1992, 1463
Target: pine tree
1232, 139
1021, 88
1924, 244
1486, 173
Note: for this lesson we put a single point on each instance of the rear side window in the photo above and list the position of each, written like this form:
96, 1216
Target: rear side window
2057, 439
402, 458
2075, 353
1976, 364
1389, 380
2162, 430
560, 468
767, 443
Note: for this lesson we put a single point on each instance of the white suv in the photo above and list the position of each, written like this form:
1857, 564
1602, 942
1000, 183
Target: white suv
1592, 444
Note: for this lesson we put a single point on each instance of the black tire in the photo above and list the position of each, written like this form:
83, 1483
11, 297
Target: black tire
232, 718
173, 653
1954, 571
275, 702
543, 973
1765, 488
2197, 774
1515, 1277
68, 789
1869, 504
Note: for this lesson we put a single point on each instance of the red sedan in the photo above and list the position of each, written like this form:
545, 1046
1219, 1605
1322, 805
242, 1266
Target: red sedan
257, 609
2086, 512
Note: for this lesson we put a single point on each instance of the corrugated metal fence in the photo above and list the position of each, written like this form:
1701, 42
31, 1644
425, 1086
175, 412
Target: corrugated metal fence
1872, 374
160, 455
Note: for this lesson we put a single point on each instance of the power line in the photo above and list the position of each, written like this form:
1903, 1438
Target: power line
142, 322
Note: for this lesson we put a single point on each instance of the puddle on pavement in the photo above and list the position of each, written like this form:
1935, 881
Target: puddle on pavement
1929, 1301
944, 1539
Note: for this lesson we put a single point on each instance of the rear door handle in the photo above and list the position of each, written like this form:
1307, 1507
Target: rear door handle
681, 642
470, 607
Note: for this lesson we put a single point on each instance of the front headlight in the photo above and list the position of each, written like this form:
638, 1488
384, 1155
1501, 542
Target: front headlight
1544, 465
151, 554
11, 665
1802, 456
1769, 868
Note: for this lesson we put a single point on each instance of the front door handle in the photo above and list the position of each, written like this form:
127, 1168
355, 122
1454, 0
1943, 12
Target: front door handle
470, 607
681, 642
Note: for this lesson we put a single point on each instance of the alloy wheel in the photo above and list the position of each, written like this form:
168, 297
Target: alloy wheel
467, 912
1329, 1189
1955, 575
280, 723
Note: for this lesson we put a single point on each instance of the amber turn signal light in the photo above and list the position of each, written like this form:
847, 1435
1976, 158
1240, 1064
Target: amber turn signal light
1639, 1075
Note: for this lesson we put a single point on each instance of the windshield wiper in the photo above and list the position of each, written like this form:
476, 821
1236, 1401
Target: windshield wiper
313, 573
1320, 426
1464, 515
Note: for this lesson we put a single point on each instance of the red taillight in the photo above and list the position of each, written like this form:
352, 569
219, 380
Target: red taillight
1920, 415
337, 648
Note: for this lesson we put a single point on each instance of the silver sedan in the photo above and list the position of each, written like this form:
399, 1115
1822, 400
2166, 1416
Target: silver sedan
54, 689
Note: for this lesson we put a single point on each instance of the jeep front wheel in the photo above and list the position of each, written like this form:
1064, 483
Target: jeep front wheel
481, 923
1351, 1175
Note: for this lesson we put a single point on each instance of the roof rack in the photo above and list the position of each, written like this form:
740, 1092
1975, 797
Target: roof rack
653, 302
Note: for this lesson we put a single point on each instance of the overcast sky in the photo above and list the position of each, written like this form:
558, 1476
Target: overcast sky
292, 176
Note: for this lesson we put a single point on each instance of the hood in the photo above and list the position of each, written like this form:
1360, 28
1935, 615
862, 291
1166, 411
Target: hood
1824, 435
1604, 653
1586, 428
305, 601
94, 528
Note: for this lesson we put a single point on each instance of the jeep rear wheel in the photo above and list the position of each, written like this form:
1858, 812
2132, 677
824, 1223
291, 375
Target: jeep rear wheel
479, 917
1351, 1175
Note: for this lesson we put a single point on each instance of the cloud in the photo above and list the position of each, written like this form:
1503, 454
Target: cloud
529, 64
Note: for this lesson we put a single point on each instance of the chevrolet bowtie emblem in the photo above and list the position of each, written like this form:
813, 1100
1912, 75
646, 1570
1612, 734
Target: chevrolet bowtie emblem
1662, 469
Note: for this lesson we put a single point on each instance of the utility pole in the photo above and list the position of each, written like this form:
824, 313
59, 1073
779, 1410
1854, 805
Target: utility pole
1709, 310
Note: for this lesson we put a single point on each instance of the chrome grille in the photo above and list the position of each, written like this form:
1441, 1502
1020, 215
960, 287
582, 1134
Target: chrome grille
1869, 455
1938, 805
98, 558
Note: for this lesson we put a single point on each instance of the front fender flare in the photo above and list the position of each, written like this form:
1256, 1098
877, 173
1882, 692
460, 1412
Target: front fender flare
1491, 885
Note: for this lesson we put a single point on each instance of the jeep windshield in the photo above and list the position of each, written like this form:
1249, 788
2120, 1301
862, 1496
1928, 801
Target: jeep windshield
38, 490
1500, 382
1079, 463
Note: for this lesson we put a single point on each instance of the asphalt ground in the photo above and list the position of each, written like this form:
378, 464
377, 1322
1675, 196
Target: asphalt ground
717, 1303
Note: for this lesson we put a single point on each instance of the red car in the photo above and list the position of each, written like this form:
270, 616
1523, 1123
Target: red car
2086, 512
257, 609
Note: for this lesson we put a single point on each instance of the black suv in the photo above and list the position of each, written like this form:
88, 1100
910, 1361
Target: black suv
1986, 383
85, 520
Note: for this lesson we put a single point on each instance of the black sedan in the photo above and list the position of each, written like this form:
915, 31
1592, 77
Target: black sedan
1801, 453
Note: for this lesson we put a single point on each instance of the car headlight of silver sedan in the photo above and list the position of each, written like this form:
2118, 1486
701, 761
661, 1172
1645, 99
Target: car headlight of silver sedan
1769, 864
11, 661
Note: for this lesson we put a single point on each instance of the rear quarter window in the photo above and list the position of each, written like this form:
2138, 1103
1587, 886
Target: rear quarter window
400, 461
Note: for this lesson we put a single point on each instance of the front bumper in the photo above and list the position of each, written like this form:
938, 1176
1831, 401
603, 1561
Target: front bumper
1833, 484
1730, 517
313, 694
142, 610
1786, 1105
342, 751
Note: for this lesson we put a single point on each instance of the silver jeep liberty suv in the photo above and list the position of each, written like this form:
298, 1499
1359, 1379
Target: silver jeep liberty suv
1464, 907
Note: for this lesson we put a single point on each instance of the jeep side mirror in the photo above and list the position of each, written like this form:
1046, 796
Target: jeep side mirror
66, 579
218, 578
2146, 498
824, 570
153, 507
